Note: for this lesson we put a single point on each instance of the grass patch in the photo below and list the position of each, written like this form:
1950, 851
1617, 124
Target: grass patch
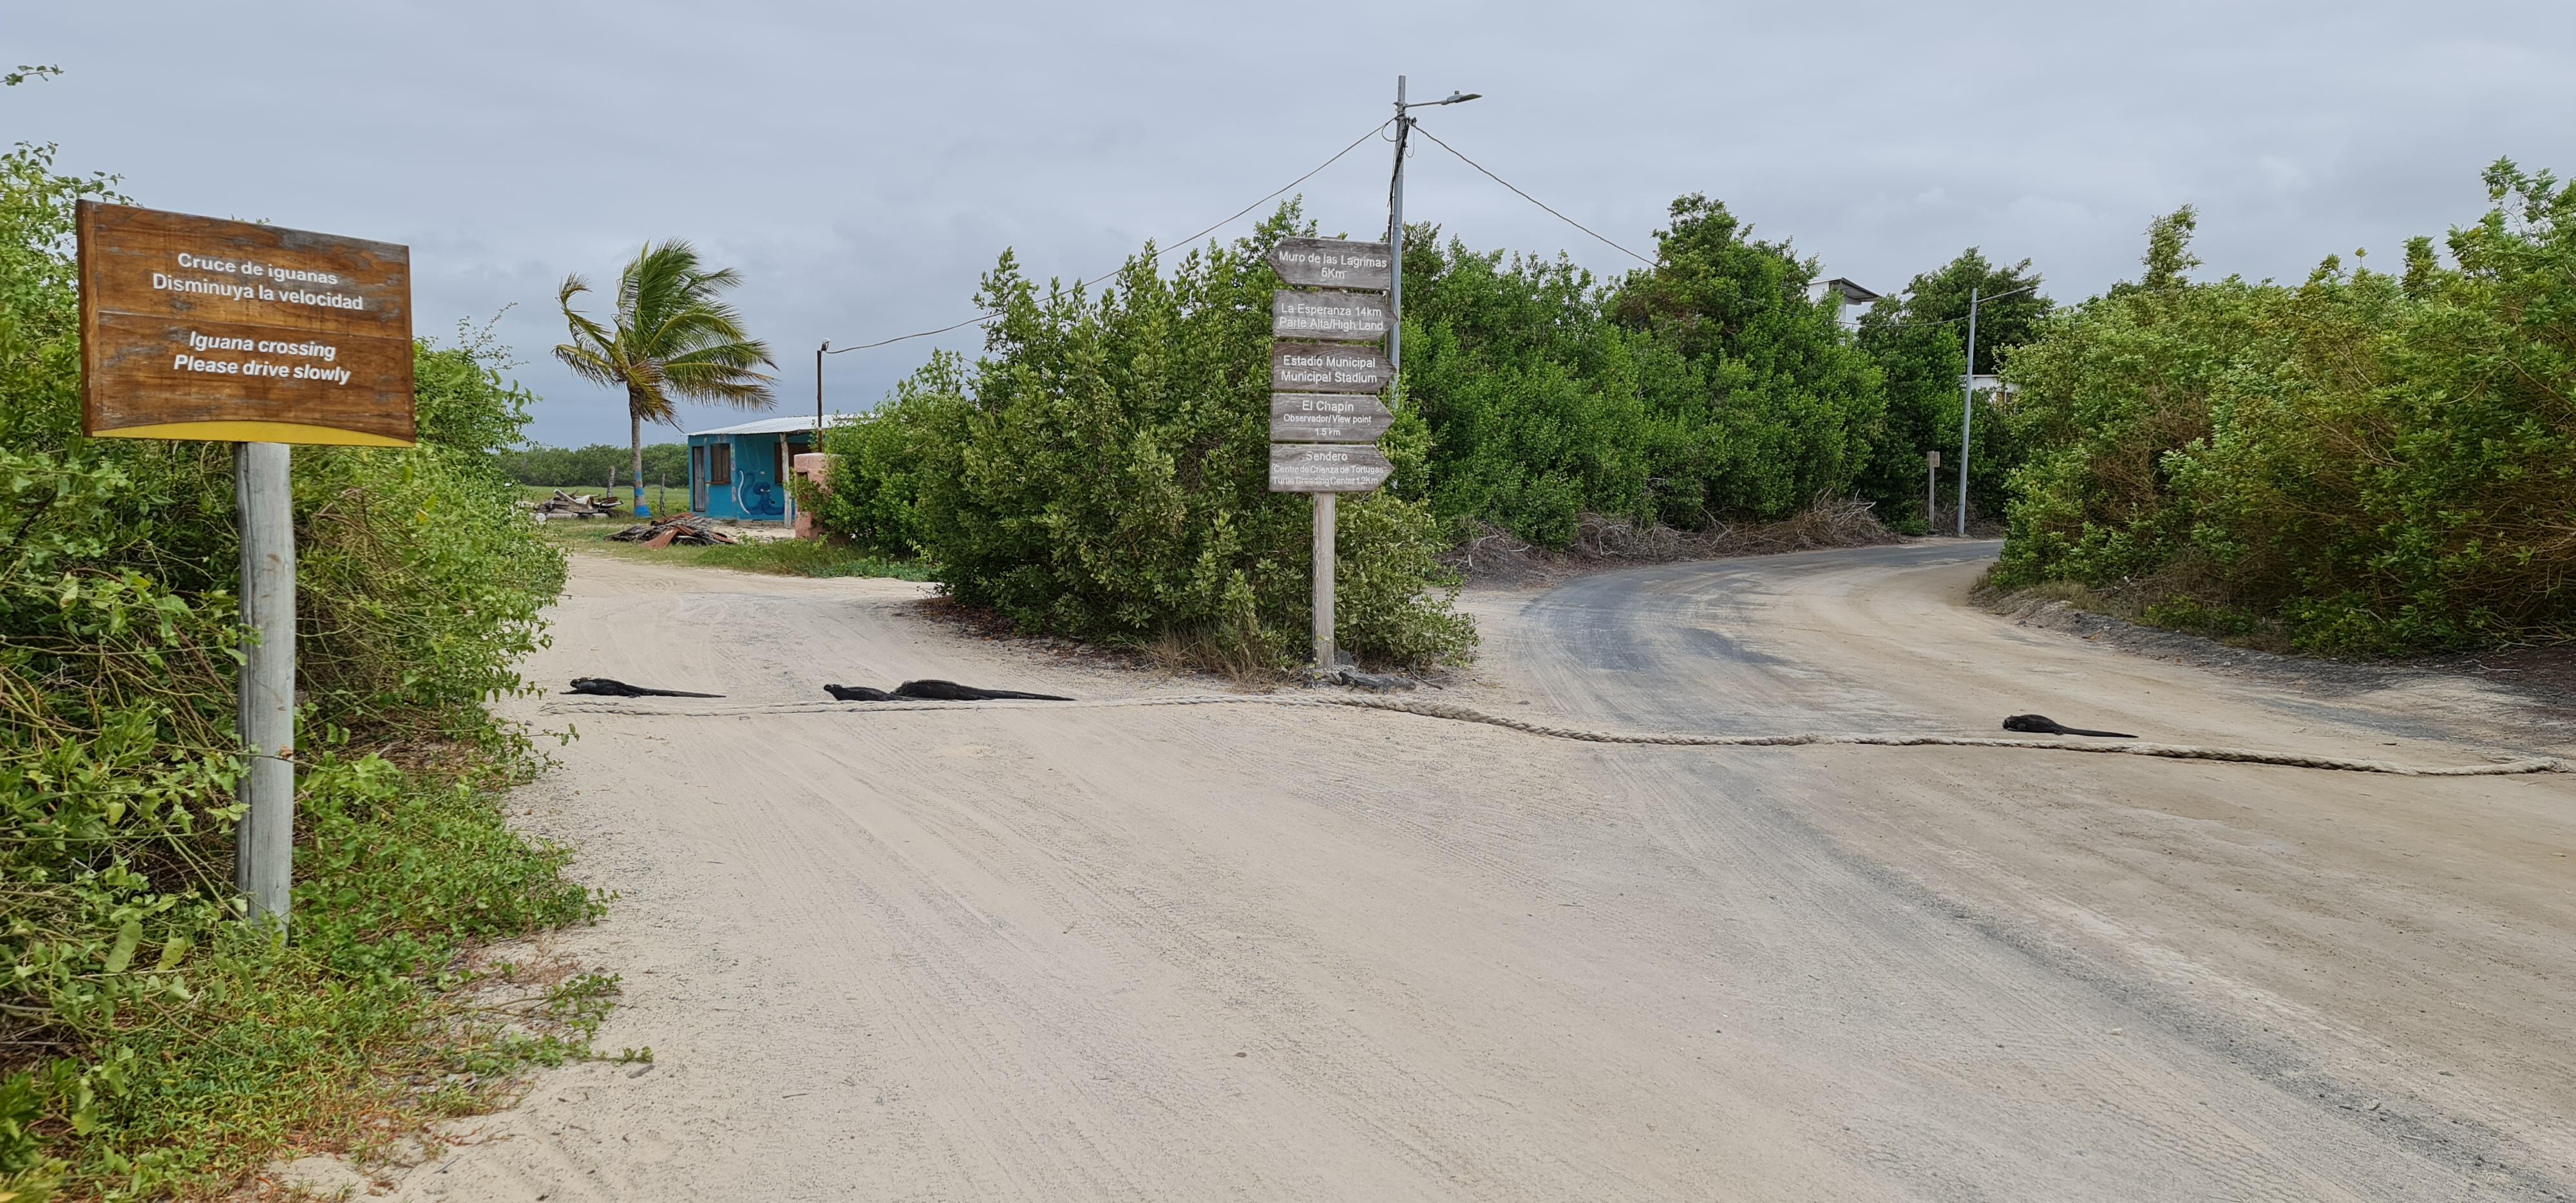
775, 557
385, 1013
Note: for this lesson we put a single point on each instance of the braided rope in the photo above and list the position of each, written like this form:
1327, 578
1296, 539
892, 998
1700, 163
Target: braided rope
674, 708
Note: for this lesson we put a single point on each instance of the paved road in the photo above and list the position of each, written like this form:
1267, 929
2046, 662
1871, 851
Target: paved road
1260, 952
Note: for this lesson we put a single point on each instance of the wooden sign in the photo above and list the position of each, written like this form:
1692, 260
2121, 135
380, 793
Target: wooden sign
1354, 316
1328, 368
1326, 418
1333, 263
1301, 468
199, 328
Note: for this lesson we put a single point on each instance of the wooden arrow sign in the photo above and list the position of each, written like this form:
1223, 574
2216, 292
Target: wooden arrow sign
1328, 368
1305, 468
1351, 316
1333, 263
1326, 418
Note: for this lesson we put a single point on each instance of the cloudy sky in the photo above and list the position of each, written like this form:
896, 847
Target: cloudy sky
862, 163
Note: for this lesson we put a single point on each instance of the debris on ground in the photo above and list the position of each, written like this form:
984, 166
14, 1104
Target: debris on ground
577, 505
603, 687
688, 529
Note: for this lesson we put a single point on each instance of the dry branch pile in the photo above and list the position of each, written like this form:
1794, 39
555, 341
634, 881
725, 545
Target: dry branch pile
679, 528
577, 505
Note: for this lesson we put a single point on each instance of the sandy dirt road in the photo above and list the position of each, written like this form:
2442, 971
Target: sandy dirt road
1274, 953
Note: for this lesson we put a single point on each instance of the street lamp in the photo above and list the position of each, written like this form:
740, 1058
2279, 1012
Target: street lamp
1968, 396
1395, 216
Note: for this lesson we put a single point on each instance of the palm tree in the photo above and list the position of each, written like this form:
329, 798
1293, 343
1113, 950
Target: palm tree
673, 341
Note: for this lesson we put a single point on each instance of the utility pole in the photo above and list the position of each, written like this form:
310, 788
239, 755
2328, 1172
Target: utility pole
1968, 396
787, 466
1395, 238
1967, 411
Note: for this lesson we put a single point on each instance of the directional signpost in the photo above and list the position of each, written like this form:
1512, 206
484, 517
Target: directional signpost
1344, 315
1325, 417
1325, 469
1333, 263
228, 331
1312, 367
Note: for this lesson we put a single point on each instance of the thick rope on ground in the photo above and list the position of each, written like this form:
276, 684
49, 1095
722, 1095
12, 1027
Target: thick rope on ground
657, 707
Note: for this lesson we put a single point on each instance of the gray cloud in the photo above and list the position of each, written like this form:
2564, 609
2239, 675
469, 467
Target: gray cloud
862, 164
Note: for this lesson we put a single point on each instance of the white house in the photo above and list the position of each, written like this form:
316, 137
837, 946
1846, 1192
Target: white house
1856, 300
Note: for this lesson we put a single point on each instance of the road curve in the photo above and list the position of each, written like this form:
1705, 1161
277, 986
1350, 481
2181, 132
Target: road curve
1288, 953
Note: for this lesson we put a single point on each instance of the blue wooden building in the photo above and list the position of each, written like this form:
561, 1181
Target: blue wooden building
740, 472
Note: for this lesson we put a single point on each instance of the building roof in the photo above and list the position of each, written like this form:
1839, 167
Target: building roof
1852, 293
778, 425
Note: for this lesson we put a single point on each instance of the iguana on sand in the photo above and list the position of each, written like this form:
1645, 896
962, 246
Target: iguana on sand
2041, 724
603, 687
935, 691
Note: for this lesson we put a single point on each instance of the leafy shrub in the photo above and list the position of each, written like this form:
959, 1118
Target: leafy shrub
1706, 387
1761, 403
2380, 463
142, 1030
1919, 341
1103, 473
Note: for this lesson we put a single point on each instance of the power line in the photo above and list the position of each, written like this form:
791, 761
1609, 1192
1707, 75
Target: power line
1159, 250
1952, 321
1417, 126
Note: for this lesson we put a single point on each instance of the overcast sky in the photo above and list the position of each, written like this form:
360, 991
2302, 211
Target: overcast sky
860, 164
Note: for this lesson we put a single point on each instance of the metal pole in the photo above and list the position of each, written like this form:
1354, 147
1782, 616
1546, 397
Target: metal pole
1931, 489
1395, 238
1967, 411
1326, 659
264, 847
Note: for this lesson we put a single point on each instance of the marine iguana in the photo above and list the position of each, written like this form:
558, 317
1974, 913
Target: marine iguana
951, 691
2041, 724
935, 691
603, 687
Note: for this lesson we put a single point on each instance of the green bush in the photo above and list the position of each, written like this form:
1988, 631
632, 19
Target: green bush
1102, 472
588, 467
2377, 462
150, 1044
1919, 341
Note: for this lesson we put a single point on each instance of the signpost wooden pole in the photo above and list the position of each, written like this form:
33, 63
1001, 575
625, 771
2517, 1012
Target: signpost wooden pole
1326, 658
230, 331
264, 843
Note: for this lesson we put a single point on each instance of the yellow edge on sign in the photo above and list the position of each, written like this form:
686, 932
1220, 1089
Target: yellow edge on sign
253, 432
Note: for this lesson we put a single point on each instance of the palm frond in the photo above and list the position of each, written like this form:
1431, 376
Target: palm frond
671, 339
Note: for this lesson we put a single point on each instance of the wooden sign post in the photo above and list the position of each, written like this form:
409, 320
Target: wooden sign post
1324, 417
199, 328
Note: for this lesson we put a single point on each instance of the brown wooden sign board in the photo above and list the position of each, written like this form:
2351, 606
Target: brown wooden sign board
1308, 468
1326, 418
200, 328
1310, 367
1333, 263
1352, 316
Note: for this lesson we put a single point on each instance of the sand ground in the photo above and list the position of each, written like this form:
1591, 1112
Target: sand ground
1262, 952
